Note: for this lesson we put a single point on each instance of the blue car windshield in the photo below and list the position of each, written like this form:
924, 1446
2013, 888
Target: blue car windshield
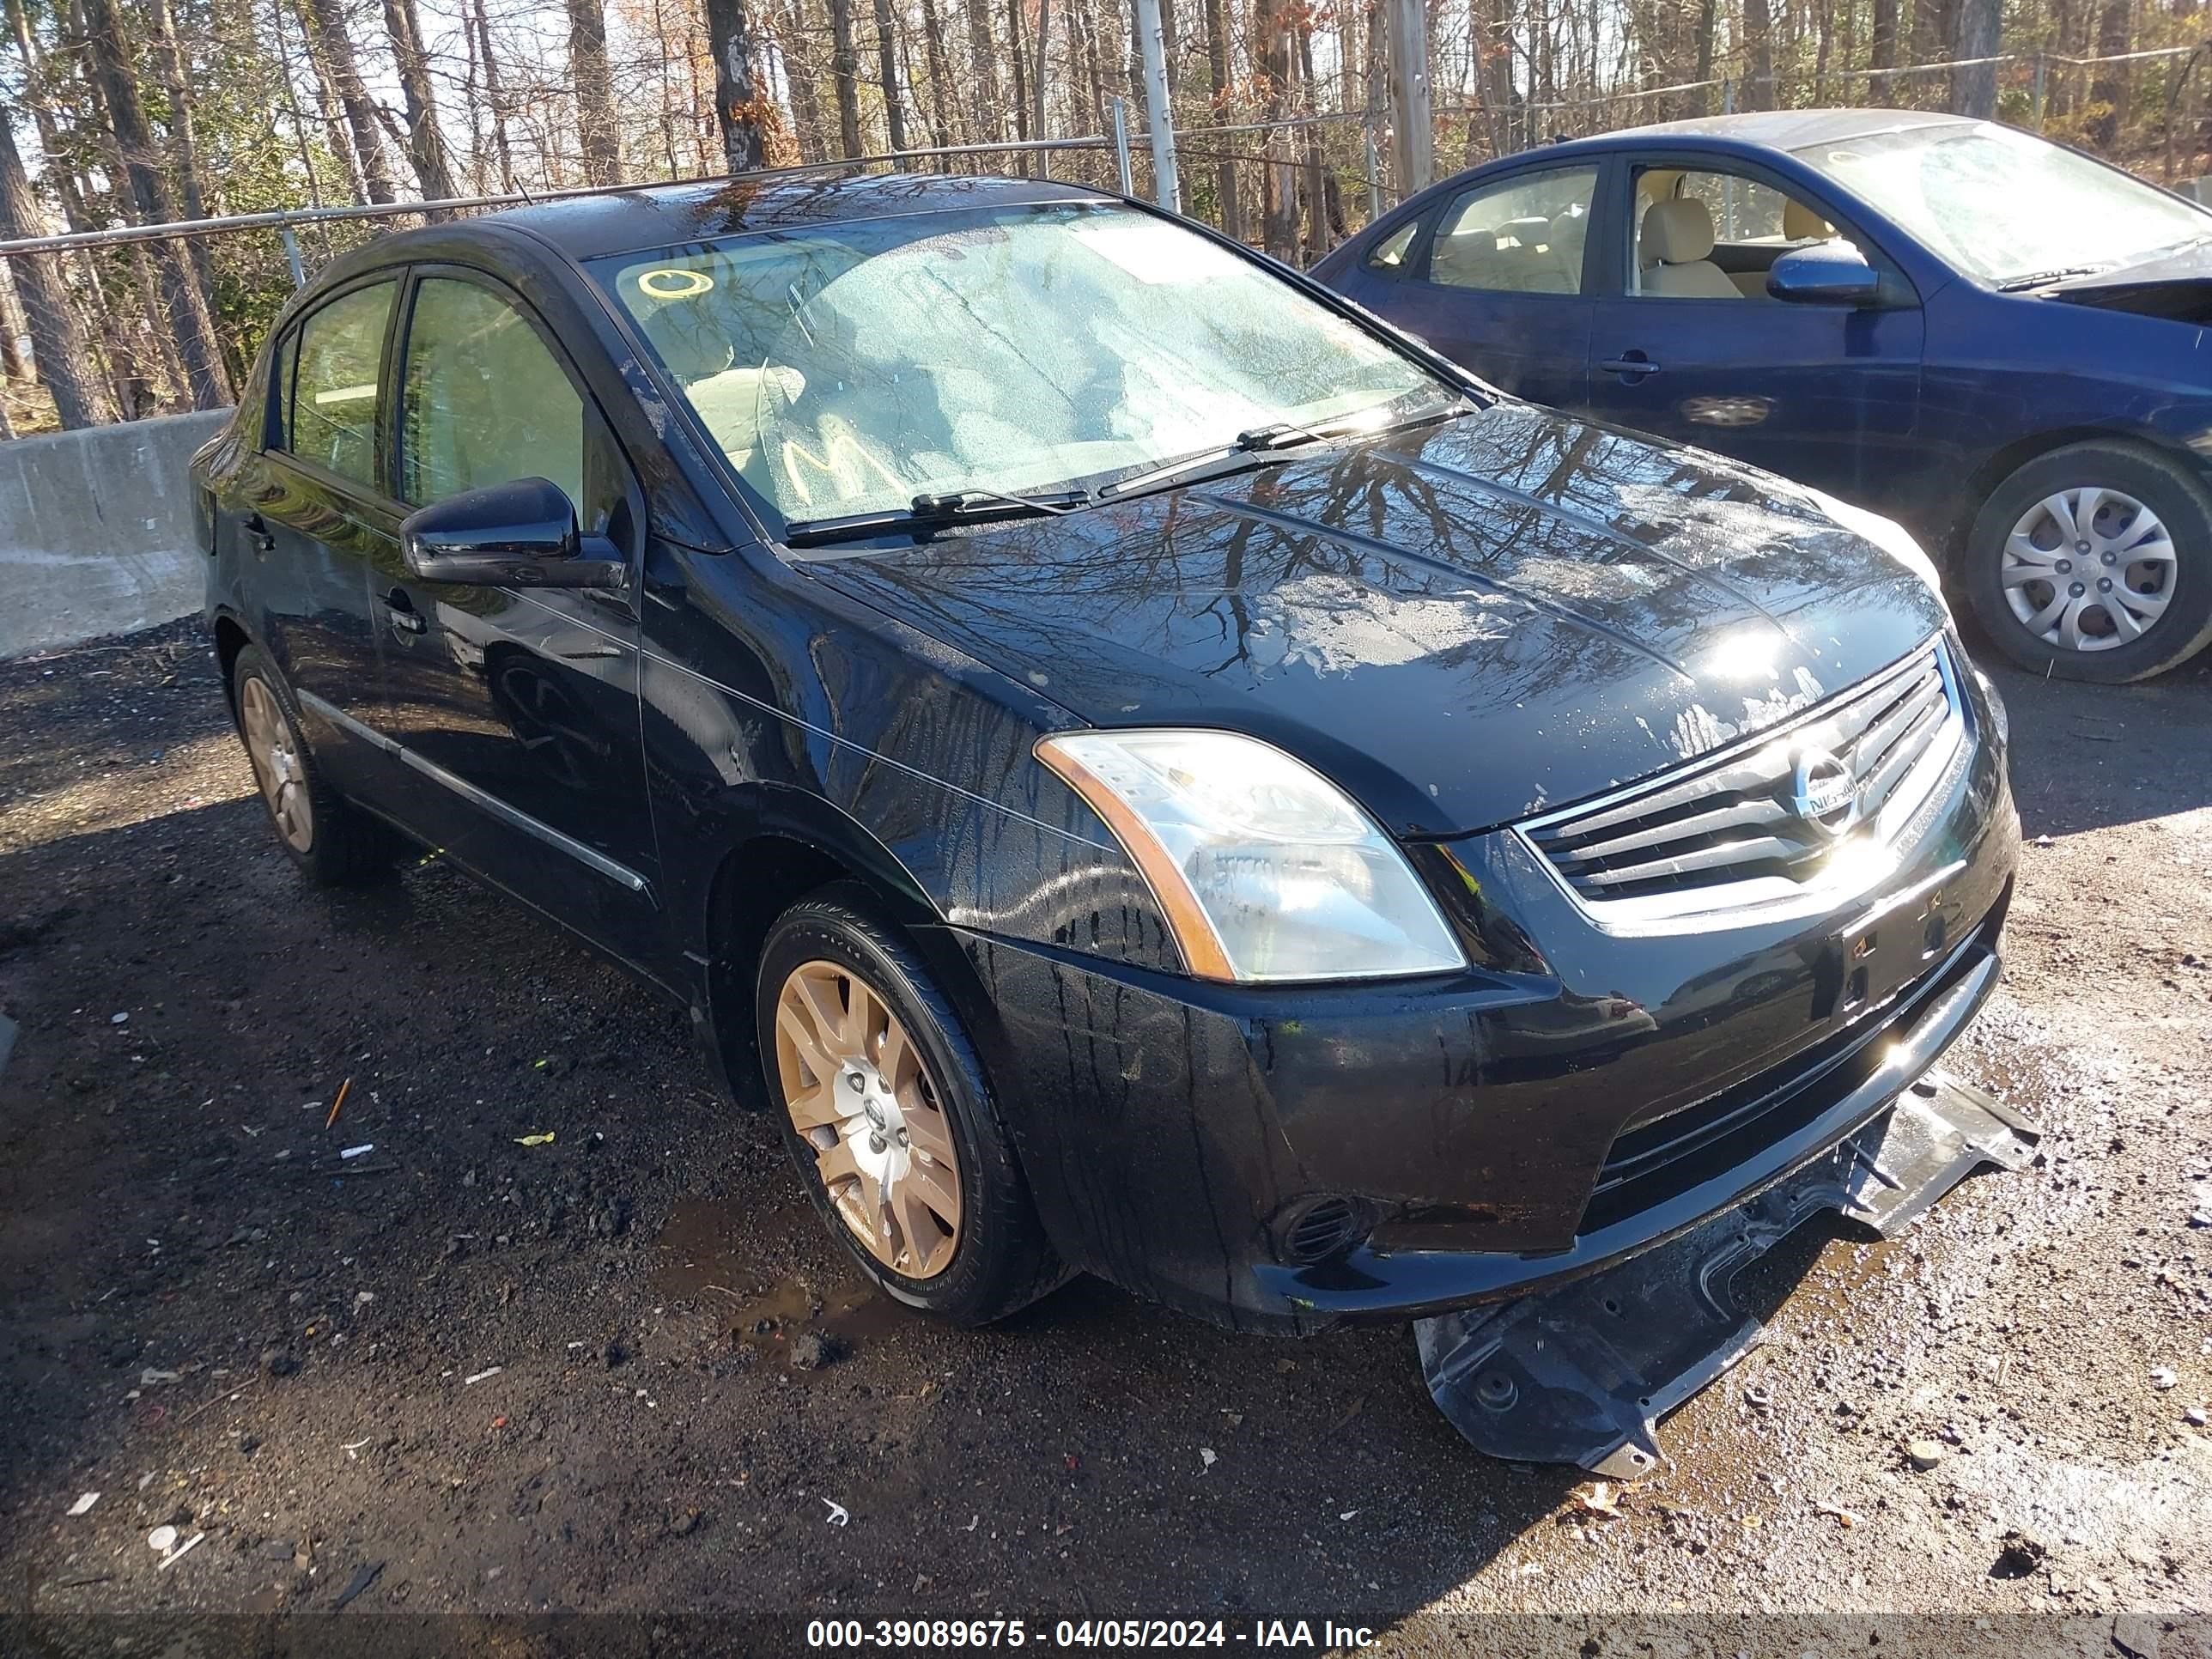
2001, 204
846, 369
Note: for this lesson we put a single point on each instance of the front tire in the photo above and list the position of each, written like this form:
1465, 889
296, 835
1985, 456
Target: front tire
889, 1117
333, 842
2094, 562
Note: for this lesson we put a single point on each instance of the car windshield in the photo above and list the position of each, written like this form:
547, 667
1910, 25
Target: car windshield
846, 368
2002, 205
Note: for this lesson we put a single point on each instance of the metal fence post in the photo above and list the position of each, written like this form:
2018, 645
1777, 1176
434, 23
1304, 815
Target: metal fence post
292, 259
2042, 77
1121, 147
1728, 96
1374, 176
1159, 115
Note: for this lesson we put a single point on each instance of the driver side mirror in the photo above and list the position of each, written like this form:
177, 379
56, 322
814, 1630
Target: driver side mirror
521, 534
1826, 274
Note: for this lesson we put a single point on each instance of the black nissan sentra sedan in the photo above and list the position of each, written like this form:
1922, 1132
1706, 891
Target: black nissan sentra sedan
1157, 774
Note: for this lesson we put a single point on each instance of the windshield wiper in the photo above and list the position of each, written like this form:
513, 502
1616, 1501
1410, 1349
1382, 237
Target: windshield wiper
1247, 448
2043, 278
928, 513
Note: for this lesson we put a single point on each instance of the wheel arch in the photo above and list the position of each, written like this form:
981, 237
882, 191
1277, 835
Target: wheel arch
795, 844
230, 638
2002, 463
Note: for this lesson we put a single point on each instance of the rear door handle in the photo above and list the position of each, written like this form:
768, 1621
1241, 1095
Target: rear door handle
404, 616
263, 539
1634, 363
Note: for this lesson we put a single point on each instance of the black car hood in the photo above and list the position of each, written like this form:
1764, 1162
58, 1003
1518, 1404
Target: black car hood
1461, 624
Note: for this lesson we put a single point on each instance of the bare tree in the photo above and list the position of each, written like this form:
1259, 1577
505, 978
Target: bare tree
426, 143
324, 23
739, 110
887, 62
845, 71
189, 321
57, 347
1981, 32
595, 106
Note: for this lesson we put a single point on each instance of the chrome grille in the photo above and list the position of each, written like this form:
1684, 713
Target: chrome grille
1772, 818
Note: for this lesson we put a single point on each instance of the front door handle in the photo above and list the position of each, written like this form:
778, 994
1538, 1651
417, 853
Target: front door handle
258, 534
404, 616
1634, 362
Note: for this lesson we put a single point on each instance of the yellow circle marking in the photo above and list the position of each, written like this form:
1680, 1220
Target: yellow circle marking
674, 283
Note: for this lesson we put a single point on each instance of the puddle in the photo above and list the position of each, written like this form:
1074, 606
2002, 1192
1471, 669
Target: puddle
712, 1258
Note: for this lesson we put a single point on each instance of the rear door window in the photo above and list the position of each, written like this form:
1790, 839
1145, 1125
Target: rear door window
1523, 235
337, 393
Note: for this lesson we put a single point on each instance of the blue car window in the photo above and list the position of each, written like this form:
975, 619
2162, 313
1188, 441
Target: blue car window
1522, 235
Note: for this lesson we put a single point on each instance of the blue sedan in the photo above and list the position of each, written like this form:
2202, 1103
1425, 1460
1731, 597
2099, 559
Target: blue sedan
1999, 342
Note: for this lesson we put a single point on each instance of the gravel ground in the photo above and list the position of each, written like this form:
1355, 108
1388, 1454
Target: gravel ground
497, 1379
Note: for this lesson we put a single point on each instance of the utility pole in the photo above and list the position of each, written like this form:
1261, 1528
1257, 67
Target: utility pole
1165, 189
1413, 123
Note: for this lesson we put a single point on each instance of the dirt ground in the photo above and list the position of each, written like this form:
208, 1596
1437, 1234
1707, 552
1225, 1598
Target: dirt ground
491, 1377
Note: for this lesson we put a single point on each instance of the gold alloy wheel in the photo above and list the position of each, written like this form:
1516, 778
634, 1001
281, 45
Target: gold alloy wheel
276, 765
858, 1090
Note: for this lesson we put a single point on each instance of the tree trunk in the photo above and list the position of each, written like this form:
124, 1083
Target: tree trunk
988, 126
887, 66
844, 70
1758, 63
183, 145
2110, 87
332, 116
941, 71
1319, 239
588, 71
325, 21
1020, 56
1708, 22
1038, 78
57, 347
1217, 76
1974, 88
495, 94
799, 62
426, 144
1279, 212
189, 322
1881, 89
740, 108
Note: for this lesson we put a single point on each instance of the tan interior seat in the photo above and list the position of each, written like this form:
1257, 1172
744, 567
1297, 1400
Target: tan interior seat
1461, 259
731, 402
1569, 232
1801, 224
1675, 249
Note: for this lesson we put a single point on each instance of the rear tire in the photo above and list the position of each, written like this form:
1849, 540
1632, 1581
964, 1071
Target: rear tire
2094, 562
904, 1096
334, 843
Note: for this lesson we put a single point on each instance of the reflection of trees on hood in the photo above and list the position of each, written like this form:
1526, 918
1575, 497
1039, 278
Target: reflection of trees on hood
1511, 548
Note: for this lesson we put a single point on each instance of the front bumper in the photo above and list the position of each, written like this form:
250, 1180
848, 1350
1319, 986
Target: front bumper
1289, 1158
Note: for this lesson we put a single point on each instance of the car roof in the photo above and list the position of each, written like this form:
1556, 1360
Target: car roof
1785, 129
662, 215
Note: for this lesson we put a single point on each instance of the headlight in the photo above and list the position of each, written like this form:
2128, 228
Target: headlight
1264, 869
1891, 537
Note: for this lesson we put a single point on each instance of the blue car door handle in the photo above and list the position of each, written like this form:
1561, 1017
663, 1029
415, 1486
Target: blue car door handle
1634, 363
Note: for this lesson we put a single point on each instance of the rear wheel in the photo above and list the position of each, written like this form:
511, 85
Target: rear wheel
333, 841
2094, 562
889, 1117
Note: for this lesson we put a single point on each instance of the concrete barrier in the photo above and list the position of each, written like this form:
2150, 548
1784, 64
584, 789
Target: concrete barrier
96, 531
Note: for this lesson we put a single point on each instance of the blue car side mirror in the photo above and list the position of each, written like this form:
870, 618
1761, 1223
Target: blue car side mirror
1826, 274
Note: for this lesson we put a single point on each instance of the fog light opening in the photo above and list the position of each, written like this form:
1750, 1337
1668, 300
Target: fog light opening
1318, 1230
